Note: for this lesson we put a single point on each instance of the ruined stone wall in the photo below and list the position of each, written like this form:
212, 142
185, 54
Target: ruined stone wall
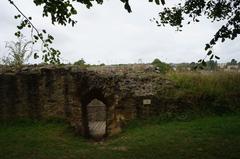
35, 94
64, 92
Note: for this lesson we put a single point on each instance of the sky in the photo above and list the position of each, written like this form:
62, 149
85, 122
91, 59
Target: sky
109, 34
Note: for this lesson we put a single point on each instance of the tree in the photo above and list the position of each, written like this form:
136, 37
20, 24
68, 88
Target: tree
228, 11
19, 52
211, 65
161, 66
81, 63
233, 62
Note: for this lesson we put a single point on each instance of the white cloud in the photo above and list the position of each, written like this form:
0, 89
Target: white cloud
107, 33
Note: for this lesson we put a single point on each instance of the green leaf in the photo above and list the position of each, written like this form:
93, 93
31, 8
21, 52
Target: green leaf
127, 7
73, 11
35, 56
217, 57
35, 37
209, 52
157, 2
163, 2
207, 46
212, 42
50, 37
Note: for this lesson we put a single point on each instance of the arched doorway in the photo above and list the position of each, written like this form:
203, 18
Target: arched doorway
97, 120
95, 114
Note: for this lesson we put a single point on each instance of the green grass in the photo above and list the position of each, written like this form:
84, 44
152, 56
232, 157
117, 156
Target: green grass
212, 92
214, 83
209, 137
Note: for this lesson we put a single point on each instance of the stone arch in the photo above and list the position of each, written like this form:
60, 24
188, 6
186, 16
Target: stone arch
97, 118
86, 99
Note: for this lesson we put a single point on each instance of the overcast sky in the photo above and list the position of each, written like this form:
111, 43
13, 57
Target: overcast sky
109, 34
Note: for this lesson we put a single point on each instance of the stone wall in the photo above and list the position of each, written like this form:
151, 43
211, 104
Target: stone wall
65, 91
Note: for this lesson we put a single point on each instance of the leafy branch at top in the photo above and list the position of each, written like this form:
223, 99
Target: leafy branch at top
227, 11
61, 11
50, 55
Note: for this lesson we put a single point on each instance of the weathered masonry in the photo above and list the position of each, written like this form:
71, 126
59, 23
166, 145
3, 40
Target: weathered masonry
95, 104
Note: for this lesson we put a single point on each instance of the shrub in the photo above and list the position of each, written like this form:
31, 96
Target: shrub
162, 67
19, 52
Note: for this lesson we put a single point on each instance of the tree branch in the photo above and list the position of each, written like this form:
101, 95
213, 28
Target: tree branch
11, 2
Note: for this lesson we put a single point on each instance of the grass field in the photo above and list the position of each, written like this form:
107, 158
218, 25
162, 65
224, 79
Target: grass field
201, 138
